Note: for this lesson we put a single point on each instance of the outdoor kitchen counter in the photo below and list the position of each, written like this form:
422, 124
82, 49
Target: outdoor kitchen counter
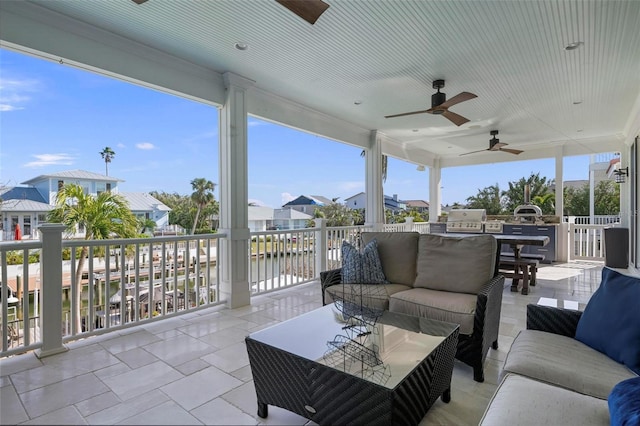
548, 230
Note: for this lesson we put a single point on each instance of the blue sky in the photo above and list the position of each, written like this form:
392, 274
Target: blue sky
55, 117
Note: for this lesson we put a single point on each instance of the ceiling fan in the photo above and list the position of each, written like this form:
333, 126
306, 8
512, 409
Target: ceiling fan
496, 145
309, 10
440, 105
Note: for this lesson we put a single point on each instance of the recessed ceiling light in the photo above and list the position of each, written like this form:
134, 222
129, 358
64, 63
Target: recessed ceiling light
357, 102
573, 46
241, 46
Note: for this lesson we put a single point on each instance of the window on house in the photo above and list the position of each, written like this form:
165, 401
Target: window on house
108, 187
60, 185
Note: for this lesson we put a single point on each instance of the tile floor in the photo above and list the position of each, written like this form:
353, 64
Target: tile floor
194, 369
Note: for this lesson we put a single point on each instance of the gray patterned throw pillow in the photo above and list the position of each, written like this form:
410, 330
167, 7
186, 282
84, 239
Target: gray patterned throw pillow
362, 268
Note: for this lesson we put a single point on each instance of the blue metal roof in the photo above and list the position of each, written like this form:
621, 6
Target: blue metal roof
23, 193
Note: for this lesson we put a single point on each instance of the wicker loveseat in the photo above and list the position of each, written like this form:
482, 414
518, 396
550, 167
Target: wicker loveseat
572, 367
453, 279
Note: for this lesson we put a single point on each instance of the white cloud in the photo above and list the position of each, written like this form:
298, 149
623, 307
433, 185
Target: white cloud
12, 93
50, 159
286, 197
145, 145
121, 145
6, 108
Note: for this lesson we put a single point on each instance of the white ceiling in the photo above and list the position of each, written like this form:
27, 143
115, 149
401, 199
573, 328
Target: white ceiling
387, 53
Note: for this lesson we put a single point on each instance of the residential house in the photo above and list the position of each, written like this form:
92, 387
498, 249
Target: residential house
290, 219
420, 206
144, 206
307, 203
27, 206
266, 218
260, 218
359, 201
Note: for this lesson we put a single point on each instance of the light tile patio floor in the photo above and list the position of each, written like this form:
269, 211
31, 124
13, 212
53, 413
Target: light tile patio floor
194, 369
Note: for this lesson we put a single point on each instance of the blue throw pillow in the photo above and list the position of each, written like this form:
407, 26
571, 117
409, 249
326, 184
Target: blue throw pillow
610, 322
362, 268
624, 403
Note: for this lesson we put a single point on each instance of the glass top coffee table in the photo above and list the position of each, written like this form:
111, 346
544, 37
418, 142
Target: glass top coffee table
336, 371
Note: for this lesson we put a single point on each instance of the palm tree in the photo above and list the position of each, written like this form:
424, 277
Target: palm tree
102, 217
145, 225
202, 196
107, 154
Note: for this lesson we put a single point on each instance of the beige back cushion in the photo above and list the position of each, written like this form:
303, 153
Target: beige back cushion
397, 251
457, 264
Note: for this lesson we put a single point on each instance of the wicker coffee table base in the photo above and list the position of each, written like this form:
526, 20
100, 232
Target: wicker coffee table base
329, 396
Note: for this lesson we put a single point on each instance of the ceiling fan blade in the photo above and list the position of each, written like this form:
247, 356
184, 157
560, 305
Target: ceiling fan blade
497, 146
309, 10
407, 113
473, 152
456, 119
511, 151
460, 97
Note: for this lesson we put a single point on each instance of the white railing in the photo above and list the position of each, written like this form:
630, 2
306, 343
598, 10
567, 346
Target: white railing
128, 282
597, 220
279, 259
335, 236
586, 242
124, 282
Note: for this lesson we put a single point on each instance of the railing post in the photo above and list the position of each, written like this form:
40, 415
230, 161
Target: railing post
51, 285
320, 246
408, 224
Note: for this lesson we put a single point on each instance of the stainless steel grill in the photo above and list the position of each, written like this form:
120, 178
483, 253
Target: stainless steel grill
466, 220
493, 226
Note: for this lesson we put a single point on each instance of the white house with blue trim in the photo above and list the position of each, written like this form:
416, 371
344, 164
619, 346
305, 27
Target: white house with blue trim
28, 206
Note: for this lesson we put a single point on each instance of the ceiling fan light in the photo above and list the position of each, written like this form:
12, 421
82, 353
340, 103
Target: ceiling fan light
573, 46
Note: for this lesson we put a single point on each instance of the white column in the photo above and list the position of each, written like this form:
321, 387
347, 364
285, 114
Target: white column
592, 185
435, 191
51, 283
320, 246
373, 182
234, 193
559, 181
408, 224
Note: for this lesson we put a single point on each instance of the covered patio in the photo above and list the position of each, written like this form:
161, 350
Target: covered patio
556, 78
194, 369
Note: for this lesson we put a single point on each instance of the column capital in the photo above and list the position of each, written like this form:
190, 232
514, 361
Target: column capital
51, 227
231, 79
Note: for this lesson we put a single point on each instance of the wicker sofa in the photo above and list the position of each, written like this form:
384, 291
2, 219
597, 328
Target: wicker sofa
453, 279
549, 377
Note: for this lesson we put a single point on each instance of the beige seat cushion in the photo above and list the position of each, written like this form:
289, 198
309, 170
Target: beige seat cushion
565, 362
397, 251
457, 308
523, 401
371, 295
456, 264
